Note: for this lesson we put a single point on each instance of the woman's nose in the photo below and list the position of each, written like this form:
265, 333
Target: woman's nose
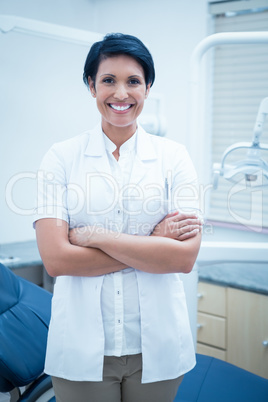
121, 92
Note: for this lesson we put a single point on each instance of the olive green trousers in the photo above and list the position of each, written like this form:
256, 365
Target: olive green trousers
121, 383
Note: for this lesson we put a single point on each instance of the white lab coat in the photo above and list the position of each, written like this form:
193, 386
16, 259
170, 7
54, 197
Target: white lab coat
162, 168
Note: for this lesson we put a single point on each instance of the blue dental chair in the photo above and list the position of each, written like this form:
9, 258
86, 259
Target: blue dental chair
24, 319
213, 380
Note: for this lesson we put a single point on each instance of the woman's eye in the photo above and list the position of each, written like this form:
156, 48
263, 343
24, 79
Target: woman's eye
108, 80
134, 81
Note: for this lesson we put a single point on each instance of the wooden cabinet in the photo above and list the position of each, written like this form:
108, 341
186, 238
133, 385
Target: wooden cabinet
233, 326
211, 320
248, 331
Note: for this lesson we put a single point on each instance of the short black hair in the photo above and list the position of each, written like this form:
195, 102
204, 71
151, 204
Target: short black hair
115, 44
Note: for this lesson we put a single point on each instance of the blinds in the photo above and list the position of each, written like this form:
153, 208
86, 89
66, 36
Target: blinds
240, 83
222, 6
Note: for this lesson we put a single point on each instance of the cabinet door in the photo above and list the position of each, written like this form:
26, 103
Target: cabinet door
247, 314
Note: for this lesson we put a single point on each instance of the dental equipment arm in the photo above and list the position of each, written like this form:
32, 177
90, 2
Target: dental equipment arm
262, 112
253, 163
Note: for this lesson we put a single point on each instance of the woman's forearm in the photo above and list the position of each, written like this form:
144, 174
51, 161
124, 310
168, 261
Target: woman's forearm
151, 254
60, 257
81, 261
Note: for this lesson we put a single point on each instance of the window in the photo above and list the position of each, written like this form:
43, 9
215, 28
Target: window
240, 82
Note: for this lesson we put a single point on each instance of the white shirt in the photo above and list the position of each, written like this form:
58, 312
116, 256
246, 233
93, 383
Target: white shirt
119, 296
75, 183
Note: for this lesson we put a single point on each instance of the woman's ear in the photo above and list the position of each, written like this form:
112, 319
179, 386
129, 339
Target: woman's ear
91, 85
147, 90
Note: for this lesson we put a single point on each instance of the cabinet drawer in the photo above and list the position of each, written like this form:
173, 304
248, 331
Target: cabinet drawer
211, 330
212, 299
210, 351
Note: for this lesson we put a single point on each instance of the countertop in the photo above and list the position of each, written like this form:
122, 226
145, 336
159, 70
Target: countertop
247, 276
20, 255
252, 277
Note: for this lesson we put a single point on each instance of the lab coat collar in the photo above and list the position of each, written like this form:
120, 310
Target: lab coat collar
96, 150
96, 145
145, 147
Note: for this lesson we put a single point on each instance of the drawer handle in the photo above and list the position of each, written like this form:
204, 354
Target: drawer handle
200, 295
265, 343
199, 326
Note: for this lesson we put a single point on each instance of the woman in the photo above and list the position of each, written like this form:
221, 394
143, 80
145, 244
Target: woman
105, 228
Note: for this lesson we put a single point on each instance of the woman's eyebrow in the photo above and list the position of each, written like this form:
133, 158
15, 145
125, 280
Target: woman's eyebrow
112, 75
135, 75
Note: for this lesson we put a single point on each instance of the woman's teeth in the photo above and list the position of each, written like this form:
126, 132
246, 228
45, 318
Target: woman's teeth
121, 108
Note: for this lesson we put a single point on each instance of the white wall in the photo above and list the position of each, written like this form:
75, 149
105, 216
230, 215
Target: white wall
171, 29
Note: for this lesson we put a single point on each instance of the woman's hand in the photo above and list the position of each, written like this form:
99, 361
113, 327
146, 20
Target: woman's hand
82, 236
179, 226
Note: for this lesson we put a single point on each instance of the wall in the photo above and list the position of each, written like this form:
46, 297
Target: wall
170, 29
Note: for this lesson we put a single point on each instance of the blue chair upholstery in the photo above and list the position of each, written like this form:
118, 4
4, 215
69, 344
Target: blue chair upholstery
213, 380
24, 318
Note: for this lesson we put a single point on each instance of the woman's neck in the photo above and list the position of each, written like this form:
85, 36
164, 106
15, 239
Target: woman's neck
119, 135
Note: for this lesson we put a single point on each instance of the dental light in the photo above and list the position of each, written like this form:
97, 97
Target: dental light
252, 166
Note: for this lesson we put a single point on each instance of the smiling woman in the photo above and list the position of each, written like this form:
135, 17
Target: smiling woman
108, 227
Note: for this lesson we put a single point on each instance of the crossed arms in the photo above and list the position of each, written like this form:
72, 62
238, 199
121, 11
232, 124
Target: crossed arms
172, 247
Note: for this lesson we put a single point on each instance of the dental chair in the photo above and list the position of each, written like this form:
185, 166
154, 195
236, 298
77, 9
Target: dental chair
24, 319
213, 380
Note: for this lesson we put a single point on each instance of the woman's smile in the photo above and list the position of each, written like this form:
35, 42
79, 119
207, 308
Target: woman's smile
120, 107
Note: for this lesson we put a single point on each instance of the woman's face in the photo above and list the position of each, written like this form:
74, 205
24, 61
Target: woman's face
120, 91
